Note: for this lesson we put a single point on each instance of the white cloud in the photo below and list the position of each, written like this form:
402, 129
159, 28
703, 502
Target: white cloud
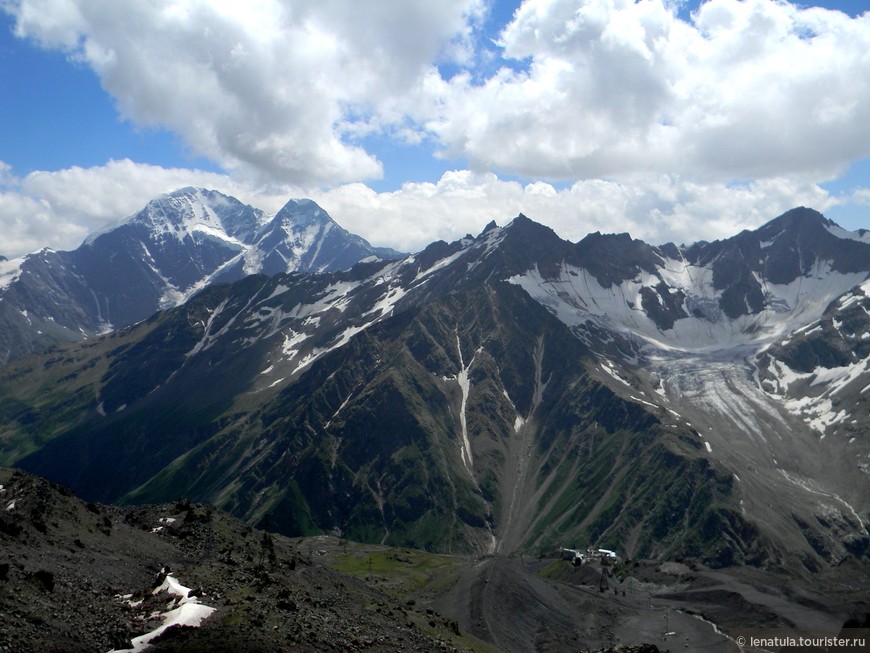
268, 87
749, 89
59, 209
648, 117
283, 90
861, 196
656, 209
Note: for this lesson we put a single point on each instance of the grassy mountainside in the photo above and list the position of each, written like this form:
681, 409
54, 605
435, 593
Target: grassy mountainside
453, 426
443, 402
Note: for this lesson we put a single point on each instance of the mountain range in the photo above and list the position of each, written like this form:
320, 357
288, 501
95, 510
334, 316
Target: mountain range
159, 257
504, 393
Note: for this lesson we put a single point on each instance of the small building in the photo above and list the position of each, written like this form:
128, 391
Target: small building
572, 555
607, 553
601, 554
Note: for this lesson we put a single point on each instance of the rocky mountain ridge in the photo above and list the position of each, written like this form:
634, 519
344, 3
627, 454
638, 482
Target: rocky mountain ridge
157, 258
506, 392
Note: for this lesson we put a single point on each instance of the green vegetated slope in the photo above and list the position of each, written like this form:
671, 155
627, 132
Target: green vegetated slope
368, 441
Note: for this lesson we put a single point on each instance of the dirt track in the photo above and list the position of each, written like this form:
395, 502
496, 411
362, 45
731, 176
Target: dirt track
505, 602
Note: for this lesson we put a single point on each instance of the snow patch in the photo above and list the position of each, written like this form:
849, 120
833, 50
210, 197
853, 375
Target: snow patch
184, 610
843, 234
340, 408
519, 422
816, 410
465, 386
10, 271
291, 341
607, 366
576, 297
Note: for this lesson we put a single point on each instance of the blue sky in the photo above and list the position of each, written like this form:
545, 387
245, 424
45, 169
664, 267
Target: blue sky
671, 120
54, 115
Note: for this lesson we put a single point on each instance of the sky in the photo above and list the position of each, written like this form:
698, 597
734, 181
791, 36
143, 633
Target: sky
414, 121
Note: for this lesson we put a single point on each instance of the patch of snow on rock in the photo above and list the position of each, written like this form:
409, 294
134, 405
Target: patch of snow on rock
184, 610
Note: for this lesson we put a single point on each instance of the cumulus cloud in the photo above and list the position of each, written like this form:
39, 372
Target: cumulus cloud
286, 90
59, 209
655, 209
274, 88
667, 128
747, 89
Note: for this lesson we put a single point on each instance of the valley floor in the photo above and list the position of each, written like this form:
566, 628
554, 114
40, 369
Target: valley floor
531, 604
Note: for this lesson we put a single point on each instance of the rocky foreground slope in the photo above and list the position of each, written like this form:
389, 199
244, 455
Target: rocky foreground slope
78, 576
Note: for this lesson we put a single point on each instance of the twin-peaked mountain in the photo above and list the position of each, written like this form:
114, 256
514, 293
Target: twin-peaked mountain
157, 258
506, 392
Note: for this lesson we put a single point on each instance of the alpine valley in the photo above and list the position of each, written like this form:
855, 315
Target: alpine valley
508, 394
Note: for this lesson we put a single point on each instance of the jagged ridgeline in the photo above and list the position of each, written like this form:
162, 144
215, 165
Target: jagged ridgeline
158, 258
510, 392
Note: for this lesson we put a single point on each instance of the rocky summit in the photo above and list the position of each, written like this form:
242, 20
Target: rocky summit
157, 258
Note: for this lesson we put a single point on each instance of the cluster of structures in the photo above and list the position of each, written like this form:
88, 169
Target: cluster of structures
578, 557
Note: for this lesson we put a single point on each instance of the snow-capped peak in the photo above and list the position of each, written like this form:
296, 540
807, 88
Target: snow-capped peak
170, 249
302, 213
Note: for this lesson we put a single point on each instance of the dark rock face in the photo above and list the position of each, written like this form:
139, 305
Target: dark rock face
613, 258
838, 340
662, 305
779, 252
